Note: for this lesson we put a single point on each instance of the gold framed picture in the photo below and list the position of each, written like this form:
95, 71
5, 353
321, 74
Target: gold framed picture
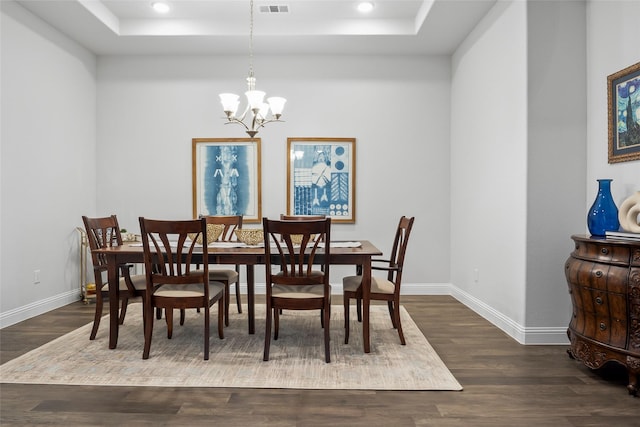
623, 95
227, 177
321, 177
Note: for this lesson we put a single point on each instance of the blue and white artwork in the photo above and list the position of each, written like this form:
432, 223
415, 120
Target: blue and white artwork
227, 181
321, 179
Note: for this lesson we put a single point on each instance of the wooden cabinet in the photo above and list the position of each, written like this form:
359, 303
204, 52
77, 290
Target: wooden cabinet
603, 276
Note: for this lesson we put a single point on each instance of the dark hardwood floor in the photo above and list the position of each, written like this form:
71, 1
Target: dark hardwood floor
505, 384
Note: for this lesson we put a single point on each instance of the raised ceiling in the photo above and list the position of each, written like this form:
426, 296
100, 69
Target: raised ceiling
132, 27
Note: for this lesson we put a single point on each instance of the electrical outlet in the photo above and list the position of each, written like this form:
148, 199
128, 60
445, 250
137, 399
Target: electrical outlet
36, 277
476, 275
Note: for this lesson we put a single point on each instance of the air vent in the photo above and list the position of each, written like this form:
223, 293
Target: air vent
274, 9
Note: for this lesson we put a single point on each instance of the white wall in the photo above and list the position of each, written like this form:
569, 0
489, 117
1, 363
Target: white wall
557, 114
48, 170
612, 36
489, 165
397, 108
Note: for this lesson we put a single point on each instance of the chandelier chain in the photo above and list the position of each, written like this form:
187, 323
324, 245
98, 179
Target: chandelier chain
251, 40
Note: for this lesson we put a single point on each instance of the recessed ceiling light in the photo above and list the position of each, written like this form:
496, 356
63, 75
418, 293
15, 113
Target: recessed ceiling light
365, 7
160, 7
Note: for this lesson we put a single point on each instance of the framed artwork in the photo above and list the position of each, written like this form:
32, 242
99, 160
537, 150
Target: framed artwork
226, 177
623, 96
321, 177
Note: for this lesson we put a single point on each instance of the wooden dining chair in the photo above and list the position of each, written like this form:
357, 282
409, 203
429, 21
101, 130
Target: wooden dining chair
385, 288
284, 217
226, 275
172, 278
104, 232
296, 285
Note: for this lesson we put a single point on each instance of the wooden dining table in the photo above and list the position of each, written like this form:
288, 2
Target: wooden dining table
132, 253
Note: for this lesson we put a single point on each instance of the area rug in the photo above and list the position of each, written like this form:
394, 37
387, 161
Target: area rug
296, 358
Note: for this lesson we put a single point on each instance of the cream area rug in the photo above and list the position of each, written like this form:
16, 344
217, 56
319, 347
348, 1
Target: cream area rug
296, 358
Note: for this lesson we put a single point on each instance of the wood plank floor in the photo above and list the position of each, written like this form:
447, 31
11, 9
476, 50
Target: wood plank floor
505, 384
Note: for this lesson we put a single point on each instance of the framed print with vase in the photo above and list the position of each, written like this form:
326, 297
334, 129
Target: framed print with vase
321, 177
227, 178
623, 95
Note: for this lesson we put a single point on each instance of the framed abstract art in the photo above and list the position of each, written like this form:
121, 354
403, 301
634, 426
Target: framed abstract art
226, 177
321, 177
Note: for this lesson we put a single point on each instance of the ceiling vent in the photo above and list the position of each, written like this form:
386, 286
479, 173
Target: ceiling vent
274, 9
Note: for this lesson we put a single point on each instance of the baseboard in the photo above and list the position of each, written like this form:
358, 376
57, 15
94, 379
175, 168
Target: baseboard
523, 335
37, 308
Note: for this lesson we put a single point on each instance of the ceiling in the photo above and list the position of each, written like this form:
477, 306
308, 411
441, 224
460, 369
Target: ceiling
132, 27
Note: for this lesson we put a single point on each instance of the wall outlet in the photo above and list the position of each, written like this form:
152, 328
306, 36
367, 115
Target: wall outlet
476, 275
36, 277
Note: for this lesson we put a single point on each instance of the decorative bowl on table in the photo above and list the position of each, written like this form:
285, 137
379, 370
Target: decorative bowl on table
250, 236
213, 232
296, 239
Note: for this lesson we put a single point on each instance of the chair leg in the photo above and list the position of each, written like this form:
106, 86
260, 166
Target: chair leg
227, 300
396, 313
267, 333
276, 323
220, 317
182, 316
391, 313
206, 331
168, 313
123, 310
346, 319
359, 308
148, 331
158, 313
144, 316
327, 336
238, 299
97, 316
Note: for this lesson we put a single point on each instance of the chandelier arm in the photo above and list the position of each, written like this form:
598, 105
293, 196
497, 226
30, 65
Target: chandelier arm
236, 121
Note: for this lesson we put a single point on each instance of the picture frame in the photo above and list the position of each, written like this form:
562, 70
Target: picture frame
321, 177
226, 175
623, 98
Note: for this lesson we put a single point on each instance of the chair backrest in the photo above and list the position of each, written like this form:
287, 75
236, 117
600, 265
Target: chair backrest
170, 255
296, 261
102, 233
284, 217
231, 224
399, 249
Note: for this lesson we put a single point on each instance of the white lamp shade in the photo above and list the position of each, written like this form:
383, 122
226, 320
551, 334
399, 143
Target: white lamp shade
230, 102
264, 111
255, 98
277, 104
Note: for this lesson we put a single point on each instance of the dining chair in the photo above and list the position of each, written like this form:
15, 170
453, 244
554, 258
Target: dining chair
172, 278
104, 232
226, 275
284, 217
385, 288
296, 285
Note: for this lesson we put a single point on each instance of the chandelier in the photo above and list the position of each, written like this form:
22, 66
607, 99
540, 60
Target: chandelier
256, 114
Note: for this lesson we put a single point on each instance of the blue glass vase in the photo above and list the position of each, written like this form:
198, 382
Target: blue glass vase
603, 215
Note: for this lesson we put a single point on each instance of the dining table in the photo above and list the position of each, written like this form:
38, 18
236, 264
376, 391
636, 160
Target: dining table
358, 253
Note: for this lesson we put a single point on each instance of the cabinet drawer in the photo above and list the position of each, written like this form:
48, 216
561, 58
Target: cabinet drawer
597, 315
596, 275
602, 252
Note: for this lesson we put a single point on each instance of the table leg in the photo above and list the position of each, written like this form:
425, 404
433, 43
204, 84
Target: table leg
366, 300
251, 298
114, 296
